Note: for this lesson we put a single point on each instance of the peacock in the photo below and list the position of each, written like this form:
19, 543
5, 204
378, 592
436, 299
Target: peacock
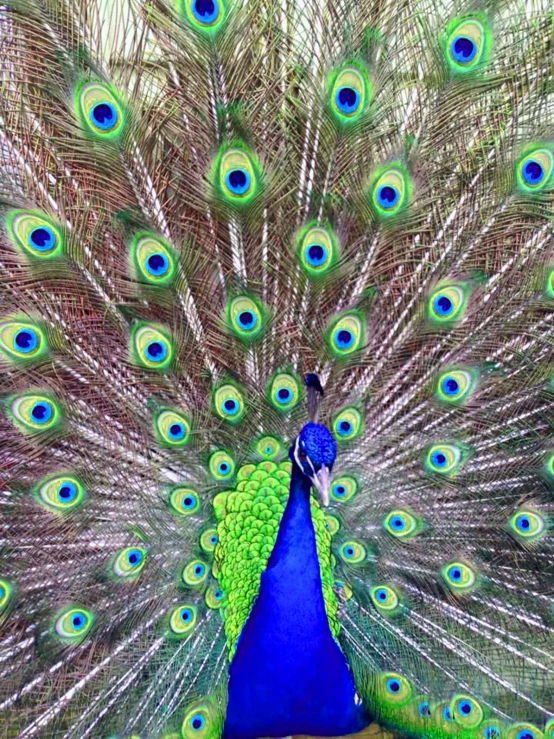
277, 369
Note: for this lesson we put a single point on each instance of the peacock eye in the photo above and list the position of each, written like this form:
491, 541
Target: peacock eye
195, 573
344, 488
209, 540
100, 111
468, 43
390, 191
221, 465
153, 259
347, 334
34, 413
284, 391
5, 594
61, 493
444, 459
384, 598
151, 347
214, 597
172, 428
534, 171
456, 386
459, 577
466, 711
317, 249
447, 304
229, 403
21, 340
35, 234
401, 524
347, 424
73, 624
528, 525
352, 552
184, 501
199, 722
350, 92
236, 176
182, 619
269, 447
129, 562
205, 16
393, 688
245, 317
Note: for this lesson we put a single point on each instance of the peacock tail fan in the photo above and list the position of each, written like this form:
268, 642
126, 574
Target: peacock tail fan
201, 203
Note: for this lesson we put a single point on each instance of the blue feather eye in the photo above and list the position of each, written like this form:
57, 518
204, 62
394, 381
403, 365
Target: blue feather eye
129, 562
456, 386
184, 501
61, 493
447, 304
468, 44
534, 172
401, 524
350, 91
317, 249
73, 624
236, 175
390, 191
100, 112
492, 732
344, 488
33, 233
22, 340
151, 347
172, 428
466, 711
352, 552
347, 334
384, 598
228, 402
205, 16
35, 413
393, 689
221, 465
153, 258
523, 731
424, 709
528, 525
348, 424
460, 577
182, 620
214, 597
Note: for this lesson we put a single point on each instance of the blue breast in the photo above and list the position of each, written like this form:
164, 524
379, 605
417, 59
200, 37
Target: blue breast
289, 676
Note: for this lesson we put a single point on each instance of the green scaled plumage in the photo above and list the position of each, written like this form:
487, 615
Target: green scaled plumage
199, 205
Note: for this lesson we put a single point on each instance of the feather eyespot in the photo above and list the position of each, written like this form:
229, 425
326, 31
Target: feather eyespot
182, 620
151, 347
172, 428
195, 573
73, 624
153, 258
35, 413
129, 562
466, 711
5, 594
347, 334
61, 493
535, 170
101, 113
184, 501
221, 465
456, 386
468, 44
269, 447
35, 234
350, 92
245, 318
390, 192
348, 424
344, 488
229, 403
206, 16
21, 340
317, 249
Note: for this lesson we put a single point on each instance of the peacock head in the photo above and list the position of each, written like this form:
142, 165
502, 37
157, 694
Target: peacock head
314, 452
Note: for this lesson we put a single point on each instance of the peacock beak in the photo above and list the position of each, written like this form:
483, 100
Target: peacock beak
322, 482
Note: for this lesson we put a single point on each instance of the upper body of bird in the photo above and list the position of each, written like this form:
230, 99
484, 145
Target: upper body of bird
203, 202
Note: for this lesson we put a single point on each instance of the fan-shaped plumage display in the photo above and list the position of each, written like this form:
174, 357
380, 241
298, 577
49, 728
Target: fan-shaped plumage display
276, 341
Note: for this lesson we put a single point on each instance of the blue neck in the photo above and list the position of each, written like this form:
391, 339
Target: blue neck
289, 676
